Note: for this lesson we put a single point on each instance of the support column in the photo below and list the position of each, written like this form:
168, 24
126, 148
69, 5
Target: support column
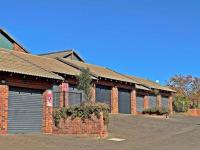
170, 104
159, 100
4, 91
64, 95
133, 102
146, 102
48, 112
93, 100
114, 100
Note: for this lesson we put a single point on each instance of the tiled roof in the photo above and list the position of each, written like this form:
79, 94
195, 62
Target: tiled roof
9, 62
150, 84
61, 54
141, 87
98, 71
49, 64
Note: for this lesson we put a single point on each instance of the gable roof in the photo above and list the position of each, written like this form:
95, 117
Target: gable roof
49, 64
98, 71
150, 84
9, 62
7, 35
62, 54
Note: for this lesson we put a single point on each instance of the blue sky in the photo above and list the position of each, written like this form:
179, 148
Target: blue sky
149, 38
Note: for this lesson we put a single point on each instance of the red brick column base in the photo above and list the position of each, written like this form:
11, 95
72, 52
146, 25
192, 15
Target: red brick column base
114, 100
47, 113
194, 112
170, 104
146, 102
4, 90
133, 102
159, 101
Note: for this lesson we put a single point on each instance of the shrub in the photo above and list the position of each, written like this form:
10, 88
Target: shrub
156, 111
81, 111
181, 104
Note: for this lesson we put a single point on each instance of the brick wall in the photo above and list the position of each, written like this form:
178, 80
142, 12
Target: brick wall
194, 112
47, 113
170, 104
146, 102
159, 100
77, 126
114, 100
3, 109
133, 102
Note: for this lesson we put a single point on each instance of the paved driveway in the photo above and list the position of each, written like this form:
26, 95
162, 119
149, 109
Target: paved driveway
179, 132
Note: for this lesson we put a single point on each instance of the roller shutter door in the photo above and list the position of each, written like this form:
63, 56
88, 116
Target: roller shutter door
124, 97
24, 111
140, 103
152, 101
165, 102
103, 94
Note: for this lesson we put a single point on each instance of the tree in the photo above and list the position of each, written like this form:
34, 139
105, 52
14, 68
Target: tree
84, 84
187, 87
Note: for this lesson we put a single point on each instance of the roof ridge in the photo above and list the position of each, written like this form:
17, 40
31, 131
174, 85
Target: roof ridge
55, 52
35, 65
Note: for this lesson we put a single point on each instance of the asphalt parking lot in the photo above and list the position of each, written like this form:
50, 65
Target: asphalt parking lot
140, 133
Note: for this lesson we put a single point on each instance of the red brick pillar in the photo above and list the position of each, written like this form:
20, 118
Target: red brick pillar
64, 95
4, 90
47, 111
133, 102
103, 128
170, 104
159, 100
146, 102
114, 100
93, 88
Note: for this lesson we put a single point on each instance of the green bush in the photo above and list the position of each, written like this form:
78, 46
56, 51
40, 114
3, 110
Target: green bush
181, 104
156, 111
81, 111
195, 105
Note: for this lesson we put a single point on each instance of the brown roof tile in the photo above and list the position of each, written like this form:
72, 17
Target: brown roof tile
150, 84
98, 71
49, 64
9, 62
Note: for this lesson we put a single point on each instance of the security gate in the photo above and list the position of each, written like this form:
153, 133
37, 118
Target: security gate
103, 94
24, 111
124, 98
140, 103
152, 101
76, 97
165, 101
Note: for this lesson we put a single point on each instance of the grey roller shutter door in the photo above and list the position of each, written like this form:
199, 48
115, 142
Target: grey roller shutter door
24, 111
140, 103
165, 102
103, 94
124, 97
152, 101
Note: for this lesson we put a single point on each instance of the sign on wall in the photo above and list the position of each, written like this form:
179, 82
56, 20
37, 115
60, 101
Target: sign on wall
49, 98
